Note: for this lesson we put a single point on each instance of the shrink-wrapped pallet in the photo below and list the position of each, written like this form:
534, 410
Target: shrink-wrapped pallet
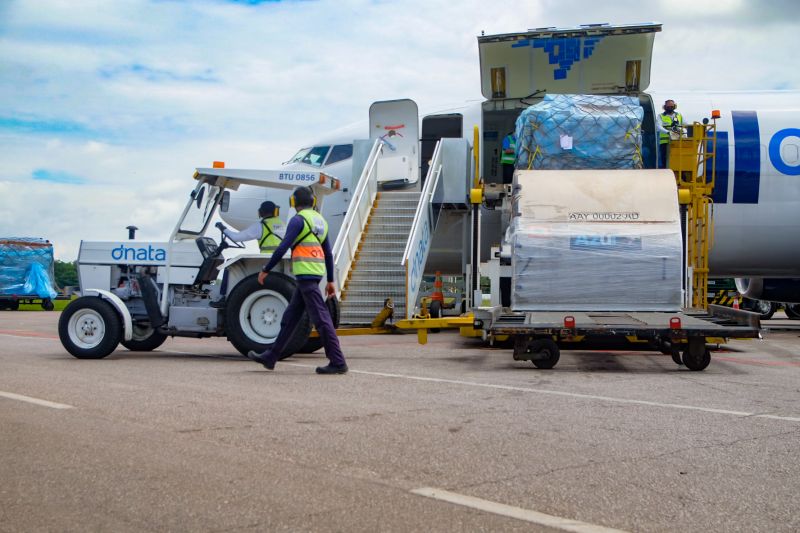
26, 267
579, 132
596, 241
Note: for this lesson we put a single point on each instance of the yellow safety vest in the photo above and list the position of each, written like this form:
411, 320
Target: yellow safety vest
272, 232
308, 259
668, 121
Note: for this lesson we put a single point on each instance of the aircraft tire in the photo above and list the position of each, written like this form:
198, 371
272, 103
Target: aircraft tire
546, 353
792, 311
315, 343
764, 308
254, 312
90, 328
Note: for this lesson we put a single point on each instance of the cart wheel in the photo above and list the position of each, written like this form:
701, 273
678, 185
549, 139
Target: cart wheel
675, 352
792, 311
545, 353
47, 304
696, 356
13, 305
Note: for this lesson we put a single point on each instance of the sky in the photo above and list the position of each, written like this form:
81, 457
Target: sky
107, 107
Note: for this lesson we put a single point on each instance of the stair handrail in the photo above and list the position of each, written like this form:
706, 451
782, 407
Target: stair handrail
346, 245
419, 239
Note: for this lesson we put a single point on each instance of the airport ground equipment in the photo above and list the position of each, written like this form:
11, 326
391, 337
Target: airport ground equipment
26, 273
596, 256
138, 293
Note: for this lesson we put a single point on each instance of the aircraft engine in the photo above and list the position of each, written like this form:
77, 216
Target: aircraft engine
771, 289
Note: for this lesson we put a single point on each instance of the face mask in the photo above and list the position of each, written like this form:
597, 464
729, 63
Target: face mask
669, 109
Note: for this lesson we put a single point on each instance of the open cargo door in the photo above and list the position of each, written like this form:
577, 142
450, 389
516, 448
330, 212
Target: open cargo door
396, 123
590, 59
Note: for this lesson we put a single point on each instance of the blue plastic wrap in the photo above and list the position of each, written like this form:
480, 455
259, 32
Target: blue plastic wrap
26, 268
575, 132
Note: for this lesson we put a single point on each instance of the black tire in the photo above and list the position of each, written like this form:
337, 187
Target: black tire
675, 352
271, 300
764, 308
90, 328
696, 356
145, 339
436, 312
546, 353
792, 311
48, 305
13, 305
315, 343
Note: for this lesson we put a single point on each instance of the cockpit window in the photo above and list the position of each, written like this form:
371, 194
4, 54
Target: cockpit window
315, 156
299, 155
340, 152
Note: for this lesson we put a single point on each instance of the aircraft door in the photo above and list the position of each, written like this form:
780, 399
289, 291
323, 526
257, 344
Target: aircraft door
436, 127
396, 122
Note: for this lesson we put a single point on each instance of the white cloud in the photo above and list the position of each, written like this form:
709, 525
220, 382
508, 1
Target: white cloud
132, 95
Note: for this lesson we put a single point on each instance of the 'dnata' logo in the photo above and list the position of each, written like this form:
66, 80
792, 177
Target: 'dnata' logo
129, 253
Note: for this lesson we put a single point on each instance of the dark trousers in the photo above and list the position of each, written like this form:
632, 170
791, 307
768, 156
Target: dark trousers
308, 297
662, 155
508, 173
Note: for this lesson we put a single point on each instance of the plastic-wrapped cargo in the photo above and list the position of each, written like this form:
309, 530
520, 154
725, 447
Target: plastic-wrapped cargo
26, 267
575, 132
596, 241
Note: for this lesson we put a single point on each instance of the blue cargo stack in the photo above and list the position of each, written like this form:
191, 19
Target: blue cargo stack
578, 132
26, 268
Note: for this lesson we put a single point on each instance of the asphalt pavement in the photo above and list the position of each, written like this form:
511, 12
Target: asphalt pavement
450, 436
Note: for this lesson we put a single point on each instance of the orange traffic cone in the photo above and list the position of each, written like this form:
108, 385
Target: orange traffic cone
437, 294
736, 302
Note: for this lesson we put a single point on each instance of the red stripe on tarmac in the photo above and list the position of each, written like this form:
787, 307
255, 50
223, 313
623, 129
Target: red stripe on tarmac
756, 362
23, 333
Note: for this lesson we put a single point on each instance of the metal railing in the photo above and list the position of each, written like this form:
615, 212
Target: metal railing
346, 245
419, 240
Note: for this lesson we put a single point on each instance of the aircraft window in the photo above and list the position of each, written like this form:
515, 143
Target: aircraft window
316, 156
340, 152
299, 155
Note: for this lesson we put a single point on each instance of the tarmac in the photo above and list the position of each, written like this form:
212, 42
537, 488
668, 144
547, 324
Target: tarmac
450, 436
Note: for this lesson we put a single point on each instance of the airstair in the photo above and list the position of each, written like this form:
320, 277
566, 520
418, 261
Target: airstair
377, 273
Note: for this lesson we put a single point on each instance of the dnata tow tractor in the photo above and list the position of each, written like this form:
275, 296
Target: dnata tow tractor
587, 242
139, 293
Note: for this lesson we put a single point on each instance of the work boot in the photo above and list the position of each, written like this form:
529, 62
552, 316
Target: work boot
219, 304
265, 359
332, 369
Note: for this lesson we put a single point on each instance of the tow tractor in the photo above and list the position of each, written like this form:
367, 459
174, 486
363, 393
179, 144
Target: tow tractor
139, 293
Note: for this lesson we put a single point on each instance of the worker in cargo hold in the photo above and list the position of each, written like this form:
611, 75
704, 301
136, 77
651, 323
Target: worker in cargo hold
670, 121
268, 231
508, 157
307, 235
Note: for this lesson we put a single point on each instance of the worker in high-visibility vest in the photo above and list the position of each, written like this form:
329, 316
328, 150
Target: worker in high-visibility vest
268, 231
669, 121
307, 235
508, 157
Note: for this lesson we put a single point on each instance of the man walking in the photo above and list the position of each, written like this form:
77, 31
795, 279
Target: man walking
307, 235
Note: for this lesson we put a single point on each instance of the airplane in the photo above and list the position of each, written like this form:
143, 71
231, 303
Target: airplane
757, 194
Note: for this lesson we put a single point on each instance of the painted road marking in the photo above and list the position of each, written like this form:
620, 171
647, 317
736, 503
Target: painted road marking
35, 401
648, 403
535, 517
